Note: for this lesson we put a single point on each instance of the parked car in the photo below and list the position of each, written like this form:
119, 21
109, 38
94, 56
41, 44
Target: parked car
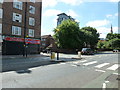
46, 51
115, 50
87, 51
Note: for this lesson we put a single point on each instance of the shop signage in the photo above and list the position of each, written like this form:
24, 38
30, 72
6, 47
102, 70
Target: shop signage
28, 41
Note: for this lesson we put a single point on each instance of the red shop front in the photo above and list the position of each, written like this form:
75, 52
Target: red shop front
15, 46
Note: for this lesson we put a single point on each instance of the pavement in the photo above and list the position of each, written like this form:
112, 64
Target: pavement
18, 62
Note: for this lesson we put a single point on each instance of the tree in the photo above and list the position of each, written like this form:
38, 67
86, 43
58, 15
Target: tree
112, 36
115, 43
90, 36
68, 35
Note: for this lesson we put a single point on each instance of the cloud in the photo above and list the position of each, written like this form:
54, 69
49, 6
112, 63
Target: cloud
105, 30
51, 12
101, 0
72, 13
112, 16
49, 3
98, 23
52, 3
109, 15
113, 0
72, 2
116, 14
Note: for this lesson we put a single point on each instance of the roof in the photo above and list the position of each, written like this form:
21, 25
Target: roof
45, 36
62, 14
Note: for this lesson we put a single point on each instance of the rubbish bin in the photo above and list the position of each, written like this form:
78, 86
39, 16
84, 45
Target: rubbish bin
52, 56
79, 54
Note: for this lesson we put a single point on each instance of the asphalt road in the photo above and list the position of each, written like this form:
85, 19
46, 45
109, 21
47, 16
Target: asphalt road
96, 71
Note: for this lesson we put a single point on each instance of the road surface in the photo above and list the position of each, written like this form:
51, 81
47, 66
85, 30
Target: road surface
94, 71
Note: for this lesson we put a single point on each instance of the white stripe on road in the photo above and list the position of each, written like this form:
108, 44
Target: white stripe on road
86, 64
100, 70
102, 65
114, 67
83, 61
79, 61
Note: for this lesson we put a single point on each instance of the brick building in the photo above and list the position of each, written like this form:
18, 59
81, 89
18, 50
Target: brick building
48, 42
1, 26
21, 27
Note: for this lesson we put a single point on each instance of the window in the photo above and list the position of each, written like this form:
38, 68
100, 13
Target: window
43, 44
16, 30
1, 28
1, 13
17, 17
17, 4
31, 33
31, 21
32, 10
32, 1
43, 39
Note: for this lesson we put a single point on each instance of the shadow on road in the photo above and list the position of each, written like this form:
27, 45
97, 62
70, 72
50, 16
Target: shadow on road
24, 67
23, 71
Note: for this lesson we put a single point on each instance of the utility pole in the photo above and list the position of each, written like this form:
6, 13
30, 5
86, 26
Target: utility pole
25, 18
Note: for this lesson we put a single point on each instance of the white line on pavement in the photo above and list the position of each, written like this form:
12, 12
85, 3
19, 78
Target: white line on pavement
102, 65
93, 62
114, 67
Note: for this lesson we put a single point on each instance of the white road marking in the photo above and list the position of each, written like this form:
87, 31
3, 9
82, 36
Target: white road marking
84, 61
62, 63
114, 67
100, 70
116, 73
104, 86
102, 65
76, 62
74, 65
86, 64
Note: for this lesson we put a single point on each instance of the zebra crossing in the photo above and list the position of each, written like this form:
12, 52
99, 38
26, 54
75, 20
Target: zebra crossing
97, 65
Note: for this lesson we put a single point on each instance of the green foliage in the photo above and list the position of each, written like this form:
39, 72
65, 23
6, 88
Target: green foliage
68, 35
90, 36
114, 43
112, 36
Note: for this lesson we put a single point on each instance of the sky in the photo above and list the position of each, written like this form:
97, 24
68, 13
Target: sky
100, 14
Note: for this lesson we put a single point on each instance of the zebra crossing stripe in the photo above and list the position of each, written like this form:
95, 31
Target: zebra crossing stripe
114, 67
102, 65
93, 62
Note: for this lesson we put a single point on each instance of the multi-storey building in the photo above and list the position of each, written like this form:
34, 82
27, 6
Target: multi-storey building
1, 13
21, 27
62, 17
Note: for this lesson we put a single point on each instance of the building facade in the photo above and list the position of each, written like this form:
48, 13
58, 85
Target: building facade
62, 17
1, 15
21, 27
48, 42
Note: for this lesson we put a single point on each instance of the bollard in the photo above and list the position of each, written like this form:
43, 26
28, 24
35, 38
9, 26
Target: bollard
52, 56
79, 54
